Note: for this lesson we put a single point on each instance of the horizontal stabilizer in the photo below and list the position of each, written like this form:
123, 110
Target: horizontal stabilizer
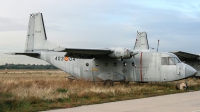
31, 54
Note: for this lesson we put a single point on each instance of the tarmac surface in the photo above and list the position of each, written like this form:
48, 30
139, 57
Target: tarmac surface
182, 102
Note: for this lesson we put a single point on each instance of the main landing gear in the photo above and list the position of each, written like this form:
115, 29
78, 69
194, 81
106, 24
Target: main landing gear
109, 82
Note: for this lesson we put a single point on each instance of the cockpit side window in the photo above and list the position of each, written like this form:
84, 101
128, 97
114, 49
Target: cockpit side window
167, 61
164, 60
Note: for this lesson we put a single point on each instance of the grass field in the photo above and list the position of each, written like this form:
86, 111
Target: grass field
36, 90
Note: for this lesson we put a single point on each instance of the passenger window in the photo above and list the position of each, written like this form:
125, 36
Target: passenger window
124, 63
87, 64
133, 64
115, 64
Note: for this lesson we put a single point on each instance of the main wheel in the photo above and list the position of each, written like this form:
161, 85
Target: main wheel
109, 82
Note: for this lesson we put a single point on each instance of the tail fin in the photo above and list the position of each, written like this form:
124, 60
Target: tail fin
36, 36
141, 41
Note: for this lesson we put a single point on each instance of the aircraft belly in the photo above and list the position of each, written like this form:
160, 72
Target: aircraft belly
112, 68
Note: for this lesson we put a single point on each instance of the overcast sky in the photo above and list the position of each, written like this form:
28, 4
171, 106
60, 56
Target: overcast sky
101, 23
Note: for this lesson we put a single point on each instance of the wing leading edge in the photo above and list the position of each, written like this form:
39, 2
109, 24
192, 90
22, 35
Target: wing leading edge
84, 53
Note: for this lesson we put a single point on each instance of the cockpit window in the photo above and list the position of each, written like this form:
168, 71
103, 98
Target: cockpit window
175, 60
164, 60
170, 60
167, 61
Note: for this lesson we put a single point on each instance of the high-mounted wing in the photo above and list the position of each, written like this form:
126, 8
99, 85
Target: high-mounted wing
84, 53
185, 55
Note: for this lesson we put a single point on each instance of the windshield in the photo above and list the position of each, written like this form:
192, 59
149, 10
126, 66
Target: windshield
175, 60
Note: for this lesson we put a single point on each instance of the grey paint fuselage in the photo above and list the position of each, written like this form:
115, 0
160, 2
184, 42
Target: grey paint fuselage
144, 67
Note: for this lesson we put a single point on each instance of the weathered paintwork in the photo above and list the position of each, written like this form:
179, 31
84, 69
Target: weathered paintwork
115, 64
191, 59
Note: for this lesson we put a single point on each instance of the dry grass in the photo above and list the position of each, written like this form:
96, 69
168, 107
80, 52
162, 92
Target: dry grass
34, 90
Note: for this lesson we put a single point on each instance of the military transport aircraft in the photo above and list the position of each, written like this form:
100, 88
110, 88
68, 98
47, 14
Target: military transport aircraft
109, 64
191, 59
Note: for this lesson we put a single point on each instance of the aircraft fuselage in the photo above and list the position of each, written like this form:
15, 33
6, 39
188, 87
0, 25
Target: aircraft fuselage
143, 67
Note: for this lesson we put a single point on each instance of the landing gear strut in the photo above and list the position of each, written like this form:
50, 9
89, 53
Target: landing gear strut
109, 82
124, 82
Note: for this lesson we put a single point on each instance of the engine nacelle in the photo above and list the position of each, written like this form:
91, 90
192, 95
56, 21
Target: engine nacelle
121, 53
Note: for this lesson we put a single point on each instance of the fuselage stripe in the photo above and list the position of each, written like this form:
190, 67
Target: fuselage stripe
141, 67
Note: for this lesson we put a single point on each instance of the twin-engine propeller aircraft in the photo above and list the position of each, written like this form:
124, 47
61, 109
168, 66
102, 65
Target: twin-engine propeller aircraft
109, 64
191, 59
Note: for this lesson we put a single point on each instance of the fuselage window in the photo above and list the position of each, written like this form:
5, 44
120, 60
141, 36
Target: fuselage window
124, 63
133, 64
115, 64
97, 64
87, 64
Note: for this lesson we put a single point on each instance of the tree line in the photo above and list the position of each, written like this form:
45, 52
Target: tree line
26, 66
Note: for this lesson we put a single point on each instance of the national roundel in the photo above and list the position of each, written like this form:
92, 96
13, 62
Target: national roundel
66, 58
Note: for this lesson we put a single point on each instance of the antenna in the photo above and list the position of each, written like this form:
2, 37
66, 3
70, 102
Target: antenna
135, 43
158, 45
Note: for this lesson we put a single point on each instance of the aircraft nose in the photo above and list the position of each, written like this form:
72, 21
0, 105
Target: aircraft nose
189, 71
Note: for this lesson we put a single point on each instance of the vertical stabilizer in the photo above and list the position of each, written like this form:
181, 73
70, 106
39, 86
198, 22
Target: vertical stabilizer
36, 35
141, 42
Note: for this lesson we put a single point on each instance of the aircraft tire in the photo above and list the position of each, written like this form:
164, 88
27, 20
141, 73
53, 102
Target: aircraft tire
111, 83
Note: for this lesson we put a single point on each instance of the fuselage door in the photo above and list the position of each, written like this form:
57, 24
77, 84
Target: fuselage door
177, 69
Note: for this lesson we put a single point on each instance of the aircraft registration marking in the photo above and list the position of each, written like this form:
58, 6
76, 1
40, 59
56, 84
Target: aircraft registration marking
62, 58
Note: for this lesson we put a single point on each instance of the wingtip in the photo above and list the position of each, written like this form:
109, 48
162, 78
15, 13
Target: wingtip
11, 53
